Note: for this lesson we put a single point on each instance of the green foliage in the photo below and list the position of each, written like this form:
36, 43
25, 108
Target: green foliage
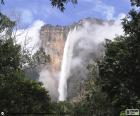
135, 2
6, 27
60, 4
40, 57
5, 22
20, 95
120, 68
34, 62
17, 94
9, 56
63, 108
94, 101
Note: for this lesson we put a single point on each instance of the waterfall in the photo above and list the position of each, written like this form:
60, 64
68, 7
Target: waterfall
66, 65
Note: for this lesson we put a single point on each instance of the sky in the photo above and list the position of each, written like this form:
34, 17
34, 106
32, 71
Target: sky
26, 12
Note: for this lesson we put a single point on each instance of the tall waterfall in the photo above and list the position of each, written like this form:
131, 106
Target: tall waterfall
66, 65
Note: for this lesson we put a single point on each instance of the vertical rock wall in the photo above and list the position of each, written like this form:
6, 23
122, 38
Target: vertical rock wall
52, 40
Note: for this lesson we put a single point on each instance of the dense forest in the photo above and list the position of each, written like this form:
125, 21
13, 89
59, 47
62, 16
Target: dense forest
115, 88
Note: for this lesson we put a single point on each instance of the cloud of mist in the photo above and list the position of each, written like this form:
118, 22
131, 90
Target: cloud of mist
30, 38
50, 82
82, 45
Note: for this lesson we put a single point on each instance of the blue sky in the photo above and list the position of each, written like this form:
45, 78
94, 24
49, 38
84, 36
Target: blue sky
28, 11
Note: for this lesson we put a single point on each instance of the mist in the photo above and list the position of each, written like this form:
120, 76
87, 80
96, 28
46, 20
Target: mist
50, 82
29, 38
84, 43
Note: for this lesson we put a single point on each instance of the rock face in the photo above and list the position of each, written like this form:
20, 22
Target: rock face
53, 40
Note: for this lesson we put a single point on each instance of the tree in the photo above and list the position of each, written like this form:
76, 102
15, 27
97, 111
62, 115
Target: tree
135, 2
17, 93
120, 68
63, 108
60, 4
34, 63
94, 101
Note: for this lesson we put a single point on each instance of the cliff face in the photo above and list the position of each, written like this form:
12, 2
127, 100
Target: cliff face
52, 40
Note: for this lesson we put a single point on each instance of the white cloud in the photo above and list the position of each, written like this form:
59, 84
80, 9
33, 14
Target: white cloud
99, 7
120, 16
107, 10
29, 38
